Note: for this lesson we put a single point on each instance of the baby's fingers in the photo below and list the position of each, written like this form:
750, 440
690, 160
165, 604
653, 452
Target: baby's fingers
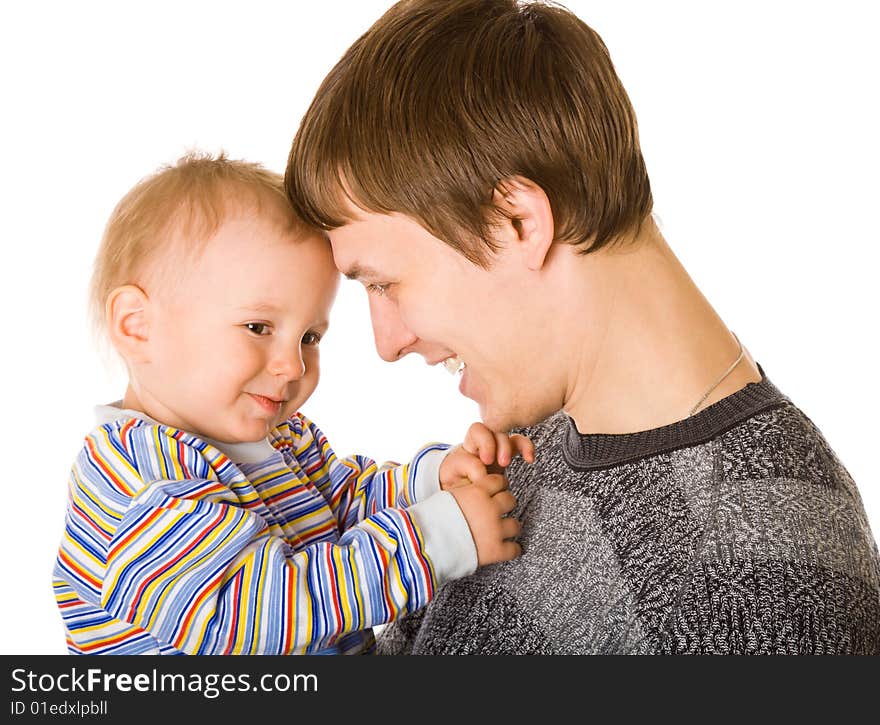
470, 467
510, 528
493, 483
524, 447
503, 449
509, 446
509, 550
480, 441
505, 501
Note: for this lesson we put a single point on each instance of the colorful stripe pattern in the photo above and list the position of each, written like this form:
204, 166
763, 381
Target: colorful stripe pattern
171, 548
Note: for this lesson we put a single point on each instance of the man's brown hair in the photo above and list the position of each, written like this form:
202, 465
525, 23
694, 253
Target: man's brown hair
442, 100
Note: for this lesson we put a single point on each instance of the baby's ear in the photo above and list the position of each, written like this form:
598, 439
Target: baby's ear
126, 313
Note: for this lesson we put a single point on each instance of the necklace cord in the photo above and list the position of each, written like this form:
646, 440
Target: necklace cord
720, 380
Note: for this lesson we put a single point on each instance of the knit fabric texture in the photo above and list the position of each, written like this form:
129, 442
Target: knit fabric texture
735, 531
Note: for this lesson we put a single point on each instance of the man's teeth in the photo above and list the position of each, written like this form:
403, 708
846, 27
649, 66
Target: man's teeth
453, 365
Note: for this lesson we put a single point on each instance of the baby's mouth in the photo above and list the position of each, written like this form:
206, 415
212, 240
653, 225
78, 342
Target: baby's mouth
269, 404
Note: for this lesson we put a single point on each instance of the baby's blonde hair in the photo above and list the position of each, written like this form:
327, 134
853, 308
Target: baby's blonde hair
186, 201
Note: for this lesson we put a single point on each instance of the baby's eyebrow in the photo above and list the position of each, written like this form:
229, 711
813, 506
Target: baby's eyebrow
261, 307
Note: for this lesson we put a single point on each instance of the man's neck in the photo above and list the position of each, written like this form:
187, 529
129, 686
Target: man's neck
661, 345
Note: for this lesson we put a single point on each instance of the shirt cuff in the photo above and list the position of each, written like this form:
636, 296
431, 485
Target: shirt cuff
448, 542
427, 471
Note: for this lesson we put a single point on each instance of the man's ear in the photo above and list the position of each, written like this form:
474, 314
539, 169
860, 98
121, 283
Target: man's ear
126, 312
527, 208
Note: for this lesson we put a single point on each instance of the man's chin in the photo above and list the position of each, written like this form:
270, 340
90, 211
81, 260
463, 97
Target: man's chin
499, 420
502, 420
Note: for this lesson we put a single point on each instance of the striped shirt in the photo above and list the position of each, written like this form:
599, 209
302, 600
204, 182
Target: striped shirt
171, 547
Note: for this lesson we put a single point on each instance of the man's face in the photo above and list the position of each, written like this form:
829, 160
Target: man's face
427, 298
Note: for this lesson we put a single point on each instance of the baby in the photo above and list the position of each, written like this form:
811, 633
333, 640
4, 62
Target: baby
206, 515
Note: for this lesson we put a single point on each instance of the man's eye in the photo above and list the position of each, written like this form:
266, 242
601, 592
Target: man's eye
258, 328
377, 289
311, 338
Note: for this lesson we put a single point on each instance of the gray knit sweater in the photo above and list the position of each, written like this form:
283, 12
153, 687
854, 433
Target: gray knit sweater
734, 531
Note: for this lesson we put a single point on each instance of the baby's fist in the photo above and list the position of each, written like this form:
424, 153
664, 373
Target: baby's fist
497, 449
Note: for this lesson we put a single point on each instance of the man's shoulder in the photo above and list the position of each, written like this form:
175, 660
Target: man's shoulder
779, 443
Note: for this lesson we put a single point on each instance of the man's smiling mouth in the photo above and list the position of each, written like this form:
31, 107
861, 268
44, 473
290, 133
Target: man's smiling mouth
454, 365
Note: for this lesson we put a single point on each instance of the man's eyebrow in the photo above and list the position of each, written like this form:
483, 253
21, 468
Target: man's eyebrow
359, 271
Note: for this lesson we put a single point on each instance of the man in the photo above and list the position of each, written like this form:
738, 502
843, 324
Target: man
476, 164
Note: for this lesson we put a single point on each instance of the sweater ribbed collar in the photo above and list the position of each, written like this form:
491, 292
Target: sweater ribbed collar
601, 450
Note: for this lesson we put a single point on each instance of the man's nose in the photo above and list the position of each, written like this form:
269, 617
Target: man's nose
288, 362
393, 338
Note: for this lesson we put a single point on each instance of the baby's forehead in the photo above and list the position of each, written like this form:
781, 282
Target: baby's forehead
248, 220
244, 247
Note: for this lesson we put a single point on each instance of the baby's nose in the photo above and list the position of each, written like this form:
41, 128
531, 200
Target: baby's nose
291, 367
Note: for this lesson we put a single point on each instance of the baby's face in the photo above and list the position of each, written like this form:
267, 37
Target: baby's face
234, 343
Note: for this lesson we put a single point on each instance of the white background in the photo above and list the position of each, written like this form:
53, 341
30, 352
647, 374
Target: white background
758, 123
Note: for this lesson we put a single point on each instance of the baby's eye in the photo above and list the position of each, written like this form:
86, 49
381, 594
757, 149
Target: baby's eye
377, 289
258, 328
311, 338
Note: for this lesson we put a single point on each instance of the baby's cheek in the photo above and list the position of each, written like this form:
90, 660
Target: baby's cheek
307, 385
313, 372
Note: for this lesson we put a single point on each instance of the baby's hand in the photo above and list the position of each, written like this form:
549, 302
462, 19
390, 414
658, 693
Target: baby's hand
482, 452
484, 505
493, 447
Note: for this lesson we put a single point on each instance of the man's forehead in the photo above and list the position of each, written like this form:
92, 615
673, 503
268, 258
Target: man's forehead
347, 254
357, 252
375, 245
